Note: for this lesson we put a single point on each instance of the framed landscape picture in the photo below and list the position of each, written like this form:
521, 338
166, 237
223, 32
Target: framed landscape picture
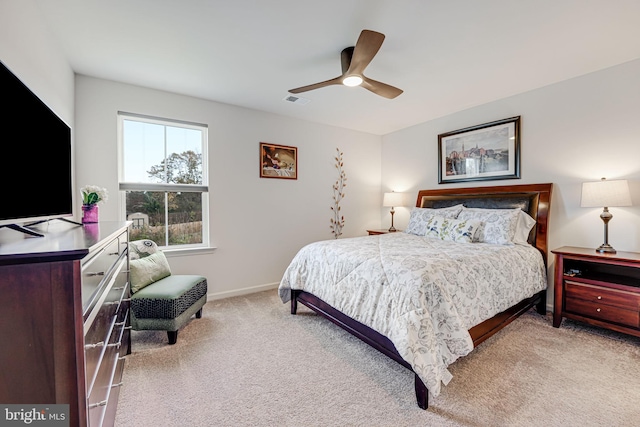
278, 161
490, 151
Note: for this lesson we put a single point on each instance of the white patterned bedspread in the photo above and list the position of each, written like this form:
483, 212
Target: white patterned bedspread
423, 294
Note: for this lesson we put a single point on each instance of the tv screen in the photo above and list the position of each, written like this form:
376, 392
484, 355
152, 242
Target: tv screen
36, 174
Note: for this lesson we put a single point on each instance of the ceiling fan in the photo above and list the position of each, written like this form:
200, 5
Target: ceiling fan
354, 60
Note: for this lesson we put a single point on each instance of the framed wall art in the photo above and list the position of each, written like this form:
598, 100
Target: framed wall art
278, 161
490, 151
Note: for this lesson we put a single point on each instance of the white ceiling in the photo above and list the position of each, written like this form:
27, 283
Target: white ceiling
446, 55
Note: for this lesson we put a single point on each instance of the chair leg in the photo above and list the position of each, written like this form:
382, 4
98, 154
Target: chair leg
173, 337
199, 313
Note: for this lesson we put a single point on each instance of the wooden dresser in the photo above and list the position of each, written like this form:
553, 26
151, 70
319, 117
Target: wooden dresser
64, 305
599, 289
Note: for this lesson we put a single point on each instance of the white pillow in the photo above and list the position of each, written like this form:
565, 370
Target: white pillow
419, 217
499, 225
454, 230
523, 227
148, 270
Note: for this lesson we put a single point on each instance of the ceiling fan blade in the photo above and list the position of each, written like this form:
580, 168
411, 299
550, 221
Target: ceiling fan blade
366, 47
334, 81
380, 88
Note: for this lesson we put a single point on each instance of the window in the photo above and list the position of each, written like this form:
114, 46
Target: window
163, 180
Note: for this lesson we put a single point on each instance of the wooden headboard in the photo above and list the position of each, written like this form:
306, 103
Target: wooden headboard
535, 199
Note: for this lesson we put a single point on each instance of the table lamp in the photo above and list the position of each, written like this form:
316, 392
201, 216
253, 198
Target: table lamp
392, 200
605, 194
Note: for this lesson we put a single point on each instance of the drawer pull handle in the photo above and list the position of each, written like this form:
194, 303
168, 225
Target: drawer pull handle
120, 288
128, 328
99, 273
95, 405
122, 358
119, 323
90, 346
599, 297
115, 344
126, 299
114, 253
116, 385
598, 310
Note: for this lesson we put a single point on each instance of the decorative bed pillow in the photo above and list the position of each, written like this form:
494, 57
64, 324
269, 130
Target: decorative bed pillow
145, 271
419, 217
498, 225
523, 228
142, 248
455, 230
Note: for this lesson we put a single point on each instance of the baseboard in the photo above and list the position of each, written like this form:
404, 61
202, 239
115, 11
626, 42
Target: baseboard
243, 291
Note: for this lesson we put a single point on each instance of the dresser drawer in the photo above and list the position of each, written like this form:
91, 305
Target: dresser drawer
111, 409
599, 295
95, 270
99, 395
109, 374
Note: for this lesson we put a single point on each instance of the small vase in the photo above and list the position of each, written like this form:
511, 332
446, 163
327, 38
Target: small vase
89, 214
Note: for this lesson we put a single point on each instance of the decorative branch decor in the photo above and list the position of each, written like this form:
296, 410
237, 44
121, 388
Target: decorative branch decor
337, 222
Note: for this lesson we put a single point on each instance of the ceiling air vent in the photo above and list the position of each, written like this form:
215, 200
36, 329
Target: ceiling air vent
297, 100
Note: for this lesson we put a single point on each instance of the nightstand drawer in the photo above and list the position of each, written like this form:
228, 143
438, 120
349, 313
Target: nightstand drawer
599, 295
599, 311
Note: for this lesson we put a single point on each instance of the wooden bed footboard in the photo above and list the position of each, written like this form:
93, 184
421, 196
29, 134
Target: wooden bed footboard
479, 333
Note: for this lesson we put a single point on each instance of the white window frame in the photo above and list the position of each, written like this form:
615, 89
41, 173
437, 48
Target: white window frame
166, 187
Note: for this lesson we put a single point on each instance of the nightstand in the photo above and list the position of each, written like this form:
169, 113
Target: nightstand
599, 289
381, 231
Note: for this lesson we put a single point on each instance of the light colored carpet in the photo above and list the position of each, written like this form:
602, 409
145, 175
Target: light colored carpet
248, 362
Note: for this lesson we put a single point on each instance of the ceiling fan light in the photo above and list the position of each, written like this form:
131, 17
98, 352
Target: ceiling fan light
352, 81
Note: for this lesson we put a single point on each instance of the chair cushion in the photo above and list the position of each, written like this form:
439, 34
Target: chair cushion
169, 297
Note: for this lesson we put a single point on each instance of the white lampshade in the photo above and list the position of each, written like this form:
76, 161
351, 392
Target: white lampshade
605, 193
393, 199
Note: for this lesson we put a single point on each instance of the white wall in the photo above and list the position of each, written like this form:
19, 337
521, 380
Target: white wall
27, 49
574, 131
257, 224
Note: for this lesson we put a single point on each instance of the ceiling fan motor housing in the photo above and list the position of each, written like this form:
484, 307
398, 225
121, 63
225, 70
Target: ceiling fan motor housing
345, 58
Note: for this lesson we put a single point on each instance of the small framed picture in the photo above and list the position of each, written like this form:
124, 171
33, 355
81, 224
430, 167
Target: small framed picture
490, 151
278, 161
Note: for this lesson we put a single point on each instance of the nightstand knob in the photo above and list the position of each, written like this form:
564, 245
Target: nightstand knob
598, 310
599, 297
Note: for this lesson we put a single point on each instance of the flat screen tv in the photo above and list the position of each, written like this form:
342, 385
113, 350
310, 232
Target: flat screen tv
36, 171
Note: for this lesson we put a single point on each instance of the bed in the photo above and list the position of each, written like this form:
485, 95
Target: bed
429, 295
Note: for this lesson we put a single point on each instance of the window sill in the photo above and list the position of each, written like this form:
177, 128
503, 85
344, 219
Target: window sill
170, 253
